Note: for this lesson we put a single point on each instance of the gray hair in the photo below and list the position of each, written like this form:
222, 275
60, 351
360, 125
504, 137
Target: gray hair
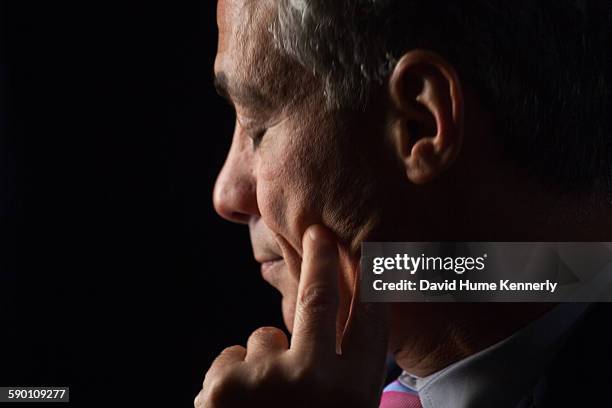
332, 39
540, 66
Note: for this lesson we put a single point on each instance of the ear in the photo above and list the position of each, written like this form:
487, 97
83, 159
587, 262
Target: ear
428, 114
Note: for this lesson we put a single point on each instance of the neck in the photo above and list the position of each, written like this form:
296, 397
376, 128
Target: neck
446, 333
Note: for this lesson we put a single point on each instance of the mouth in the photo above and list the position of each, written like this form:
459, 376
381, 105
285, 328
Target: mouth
271, 271
269, 264
274, 273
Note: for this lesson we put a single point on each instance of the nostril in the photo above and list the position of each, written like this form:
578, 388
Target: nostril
239, 217
234, 206
234, 195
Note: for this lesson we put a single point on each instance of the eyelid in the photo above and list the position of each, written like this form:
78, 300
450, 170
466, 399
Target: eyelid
257, 137
256, 129
253, 130
246, 123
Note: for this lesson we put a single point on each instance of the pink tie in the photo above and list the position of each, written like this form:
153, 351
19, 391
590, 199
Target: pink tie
397, 395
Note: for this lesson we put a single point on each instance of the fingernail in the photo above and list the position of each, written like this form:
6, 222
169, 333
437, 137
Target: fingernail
321, 237
312, 234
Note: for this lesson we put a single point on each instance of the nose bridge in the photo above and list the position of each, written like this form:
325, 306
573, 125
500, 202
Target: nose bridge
234, 195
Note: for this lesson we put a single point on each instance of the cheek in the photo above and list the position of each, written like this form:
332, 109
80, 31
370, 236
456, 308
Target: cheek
286, 188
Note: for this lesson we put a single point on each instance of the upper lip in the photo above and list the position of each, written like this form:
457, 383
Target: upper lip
268, 258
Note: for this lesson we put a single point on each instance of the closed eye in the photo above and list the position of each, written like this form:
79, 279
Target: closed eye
257, 137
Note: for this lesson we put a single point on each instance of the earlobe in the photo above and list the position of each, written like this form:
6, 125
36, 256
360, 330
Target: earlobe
426, 94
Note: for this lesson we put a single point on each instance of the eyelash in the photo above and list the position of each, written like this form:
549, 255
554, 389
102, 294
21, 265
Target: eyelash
257, 137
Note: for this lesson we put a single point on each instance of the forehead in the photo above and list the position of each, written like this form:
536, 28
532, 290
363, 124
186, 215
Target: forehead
246, 54
229, 14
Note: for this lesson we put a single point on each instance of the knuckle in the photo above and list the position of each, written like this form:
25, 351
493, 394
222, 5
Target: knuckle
232, 350
266, 374
267, 338
318, 299
215, 395
210, 382
229, 354
210, 393
217, 392
267, 333
197, 402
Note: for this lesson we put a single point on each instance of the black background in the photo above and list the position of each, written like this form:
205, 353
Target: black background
118, 278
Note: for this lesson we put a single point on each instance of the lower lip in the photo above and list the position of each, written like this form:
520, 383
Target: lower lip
267, 267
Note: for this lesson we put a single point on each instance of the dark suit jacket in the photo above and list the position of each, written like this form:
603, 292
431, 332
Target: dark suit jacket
581, 373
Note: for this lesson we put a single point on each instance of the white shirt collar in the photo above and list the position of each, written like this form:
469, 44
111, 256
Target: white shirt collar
500, 375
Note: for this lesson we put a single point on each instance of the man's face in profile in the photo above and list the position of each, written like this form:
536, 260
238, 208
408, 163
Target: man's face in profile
292, 162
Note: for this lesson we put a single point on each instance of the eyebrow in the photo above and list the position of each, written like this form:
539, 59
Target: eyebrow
242, 94
221, 86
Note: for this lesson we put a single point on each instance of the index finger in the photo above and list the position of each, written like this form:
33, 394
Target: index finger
366, 331
314, 328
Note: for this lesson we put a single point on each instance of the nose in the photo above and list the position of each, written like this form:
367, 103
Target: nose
234, 195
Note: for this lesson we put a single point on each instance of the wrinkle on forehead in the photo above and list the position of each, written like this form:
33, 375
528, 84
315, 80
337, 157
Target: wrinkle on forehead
247, 54
228, 12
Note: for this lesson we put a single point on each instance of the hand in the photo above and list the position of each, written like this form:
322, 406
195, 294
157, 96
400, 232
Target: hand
309, 372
